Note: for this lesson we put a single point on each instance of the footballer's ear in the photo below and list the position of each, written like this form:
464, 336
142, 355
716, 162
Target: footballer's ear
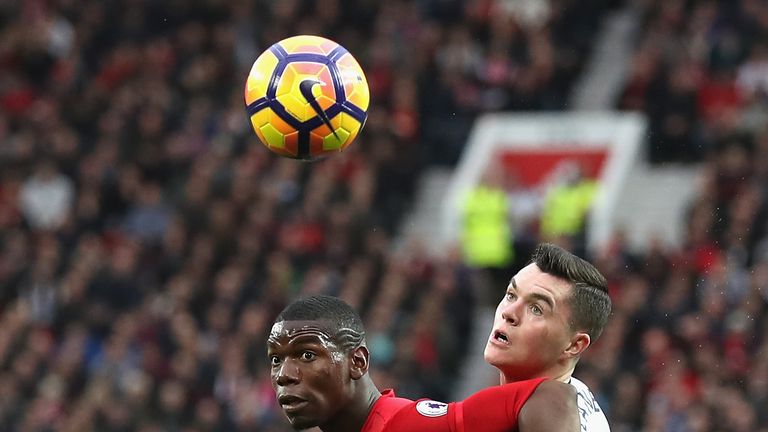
359, 362
580, 341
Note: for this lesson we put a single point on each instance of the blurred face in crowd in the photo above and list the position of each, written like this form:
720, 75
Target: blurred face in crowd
310, 373
531, 335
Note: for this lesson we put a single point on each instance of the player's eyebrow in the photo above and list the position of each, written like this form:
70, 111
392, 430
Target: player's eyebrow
537, 296
545, 298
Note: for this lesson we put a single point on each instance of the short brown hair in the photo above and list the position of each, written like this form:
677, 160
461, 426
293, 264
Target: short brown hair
590, 303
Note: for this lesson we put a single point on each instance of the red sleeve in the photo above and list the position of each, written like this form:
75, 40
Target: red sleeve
423, 416
383, 410
494, 409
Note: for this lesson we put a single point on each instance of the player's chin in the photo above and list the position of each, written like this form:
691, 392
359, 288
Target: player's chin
496, 355
299, 422
491, 355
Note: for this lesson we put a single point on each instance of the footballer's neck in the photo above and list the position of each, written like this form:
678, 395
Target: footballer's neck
559, 373
352, 418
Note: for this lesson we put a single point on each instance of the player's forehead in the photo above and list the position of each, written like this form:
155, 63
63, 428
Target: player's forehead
531, 279
302, 331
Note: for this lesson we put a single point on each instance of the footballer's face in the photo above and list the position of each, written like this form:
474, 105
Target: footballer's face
531, 335
310, 373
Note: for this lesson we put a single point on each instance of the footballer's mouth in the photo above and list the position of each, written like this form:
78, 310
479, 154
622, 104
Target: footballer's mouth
291, 403
500, 337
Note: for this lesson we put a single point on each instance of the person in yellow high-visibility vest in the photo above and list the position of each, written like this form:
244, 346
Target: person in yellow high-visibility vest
487, 237
566, 206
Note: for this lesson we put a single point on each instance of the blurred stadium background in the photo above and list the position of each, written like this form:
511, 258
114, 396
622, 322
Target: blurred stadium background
147, 240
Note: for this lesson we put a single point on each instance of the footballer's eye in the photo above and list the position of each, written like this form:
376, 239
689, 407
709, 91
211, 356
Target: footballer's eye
511, 296
308, 356
536, 310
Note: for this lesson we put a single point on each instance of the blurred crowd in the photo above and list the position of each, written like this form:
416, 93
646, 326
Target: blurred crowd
700, 72
687, 346
147, 240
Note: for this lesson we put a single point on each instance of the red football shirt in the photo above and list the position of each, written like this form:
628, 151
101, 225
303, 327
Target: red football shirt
490, 410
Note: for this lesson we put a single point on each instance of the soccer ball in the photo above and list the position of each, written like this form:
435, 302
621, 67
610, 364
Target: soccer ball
307, 97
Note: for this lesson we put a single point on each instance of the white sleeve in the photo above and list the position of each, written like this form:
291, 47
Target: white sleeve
592, 417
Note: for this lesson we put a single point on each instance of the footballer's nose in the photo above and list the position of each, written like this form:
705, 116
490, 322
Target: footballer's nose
288, 373
510, 313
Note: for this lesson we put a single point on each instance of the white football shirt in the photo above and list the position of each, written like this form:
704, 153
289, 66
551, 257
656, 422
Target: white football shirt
591, 416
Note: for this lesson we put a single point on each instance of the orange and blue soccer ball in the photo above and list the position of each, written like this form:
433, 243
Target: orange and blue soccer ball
307, 97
